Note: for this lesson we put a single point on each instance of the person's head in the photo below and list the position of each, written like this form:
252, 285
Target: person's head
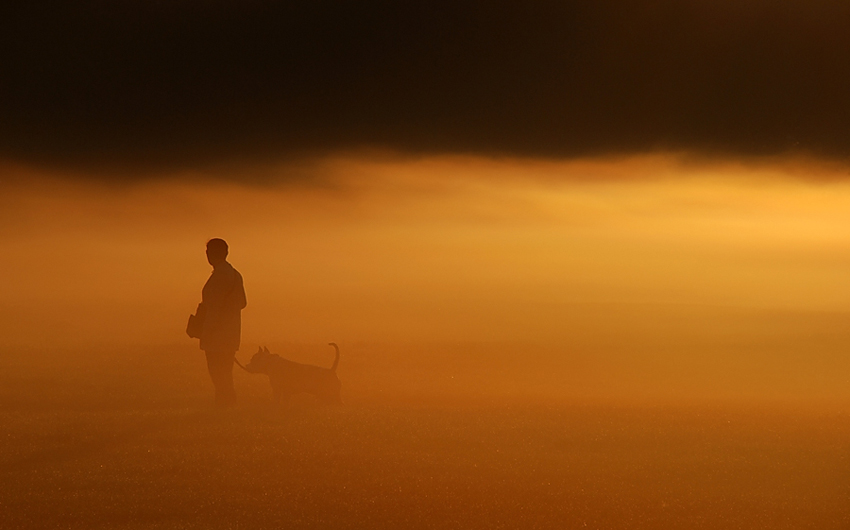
216, 251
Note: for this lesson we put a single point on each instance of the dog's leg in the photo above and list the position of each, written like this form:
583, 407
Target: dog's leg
281, 398
335, 394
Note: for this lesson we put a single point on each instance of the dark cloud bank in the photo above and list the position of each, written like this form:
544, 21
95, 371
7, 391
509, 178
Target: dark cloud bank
176, 84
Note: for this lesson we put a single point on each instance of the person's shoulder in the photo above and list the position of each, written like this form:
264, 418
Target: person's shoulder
231, 271
224, 270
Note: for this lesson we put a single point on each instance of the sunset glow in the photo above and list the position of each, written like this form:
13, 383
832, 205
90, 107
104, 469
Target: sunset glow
589, 259
425, 265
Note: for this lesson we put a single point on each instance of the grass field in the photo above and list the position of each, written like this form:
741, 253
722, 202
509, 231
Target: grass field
128, 439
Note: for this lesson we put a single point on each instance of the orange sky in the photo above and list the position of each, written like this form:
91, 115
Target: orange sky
653, 274
425, 249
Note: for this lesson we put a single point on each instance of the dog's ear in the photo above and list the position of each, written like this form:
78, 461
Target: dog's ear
259, 350
265, 349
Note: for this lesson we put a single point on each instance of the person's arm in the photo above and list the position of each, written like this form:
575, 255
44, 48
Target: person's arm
241, 300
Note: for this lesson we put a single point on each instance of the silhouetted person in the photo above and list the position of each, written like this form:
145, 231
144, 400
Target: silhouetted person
222, 299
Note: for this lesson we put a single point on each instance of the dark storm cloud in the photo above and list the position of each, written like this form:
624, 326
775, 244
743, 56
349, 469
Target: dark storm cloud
175, 84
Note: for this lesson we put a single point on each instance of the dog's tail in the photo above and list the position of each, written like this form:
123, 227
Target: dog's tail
336, 360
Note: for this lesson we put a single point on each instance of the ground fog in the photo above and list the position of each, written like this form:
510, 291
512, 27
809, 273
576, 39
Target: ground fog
100, 438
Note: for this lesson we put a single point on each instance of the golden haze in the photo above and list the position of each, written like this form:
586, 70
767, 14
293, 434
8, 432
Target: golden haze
651, 273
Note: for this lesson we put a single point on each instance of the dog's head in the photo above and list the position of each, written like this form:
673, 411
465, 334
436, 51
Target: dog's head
261, 361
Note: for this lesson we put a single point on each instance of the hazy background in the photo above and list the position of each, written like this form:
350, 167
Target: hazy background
650, 342
612, 278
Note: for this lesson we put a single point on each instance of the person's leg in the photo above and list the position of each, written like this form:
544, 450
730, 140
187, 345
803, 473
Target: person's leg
220, 366
227, 390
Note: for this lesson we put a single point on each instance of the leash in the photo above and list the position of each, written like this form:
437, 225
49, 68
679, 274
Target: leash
240, 364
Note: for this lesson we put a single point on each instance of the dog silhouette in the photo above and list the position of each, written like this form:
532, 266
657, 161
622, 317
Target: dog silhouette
289, 377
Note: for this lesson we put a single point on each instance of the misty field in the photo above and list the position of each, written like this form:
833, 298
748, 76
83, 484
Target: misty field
112, 438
